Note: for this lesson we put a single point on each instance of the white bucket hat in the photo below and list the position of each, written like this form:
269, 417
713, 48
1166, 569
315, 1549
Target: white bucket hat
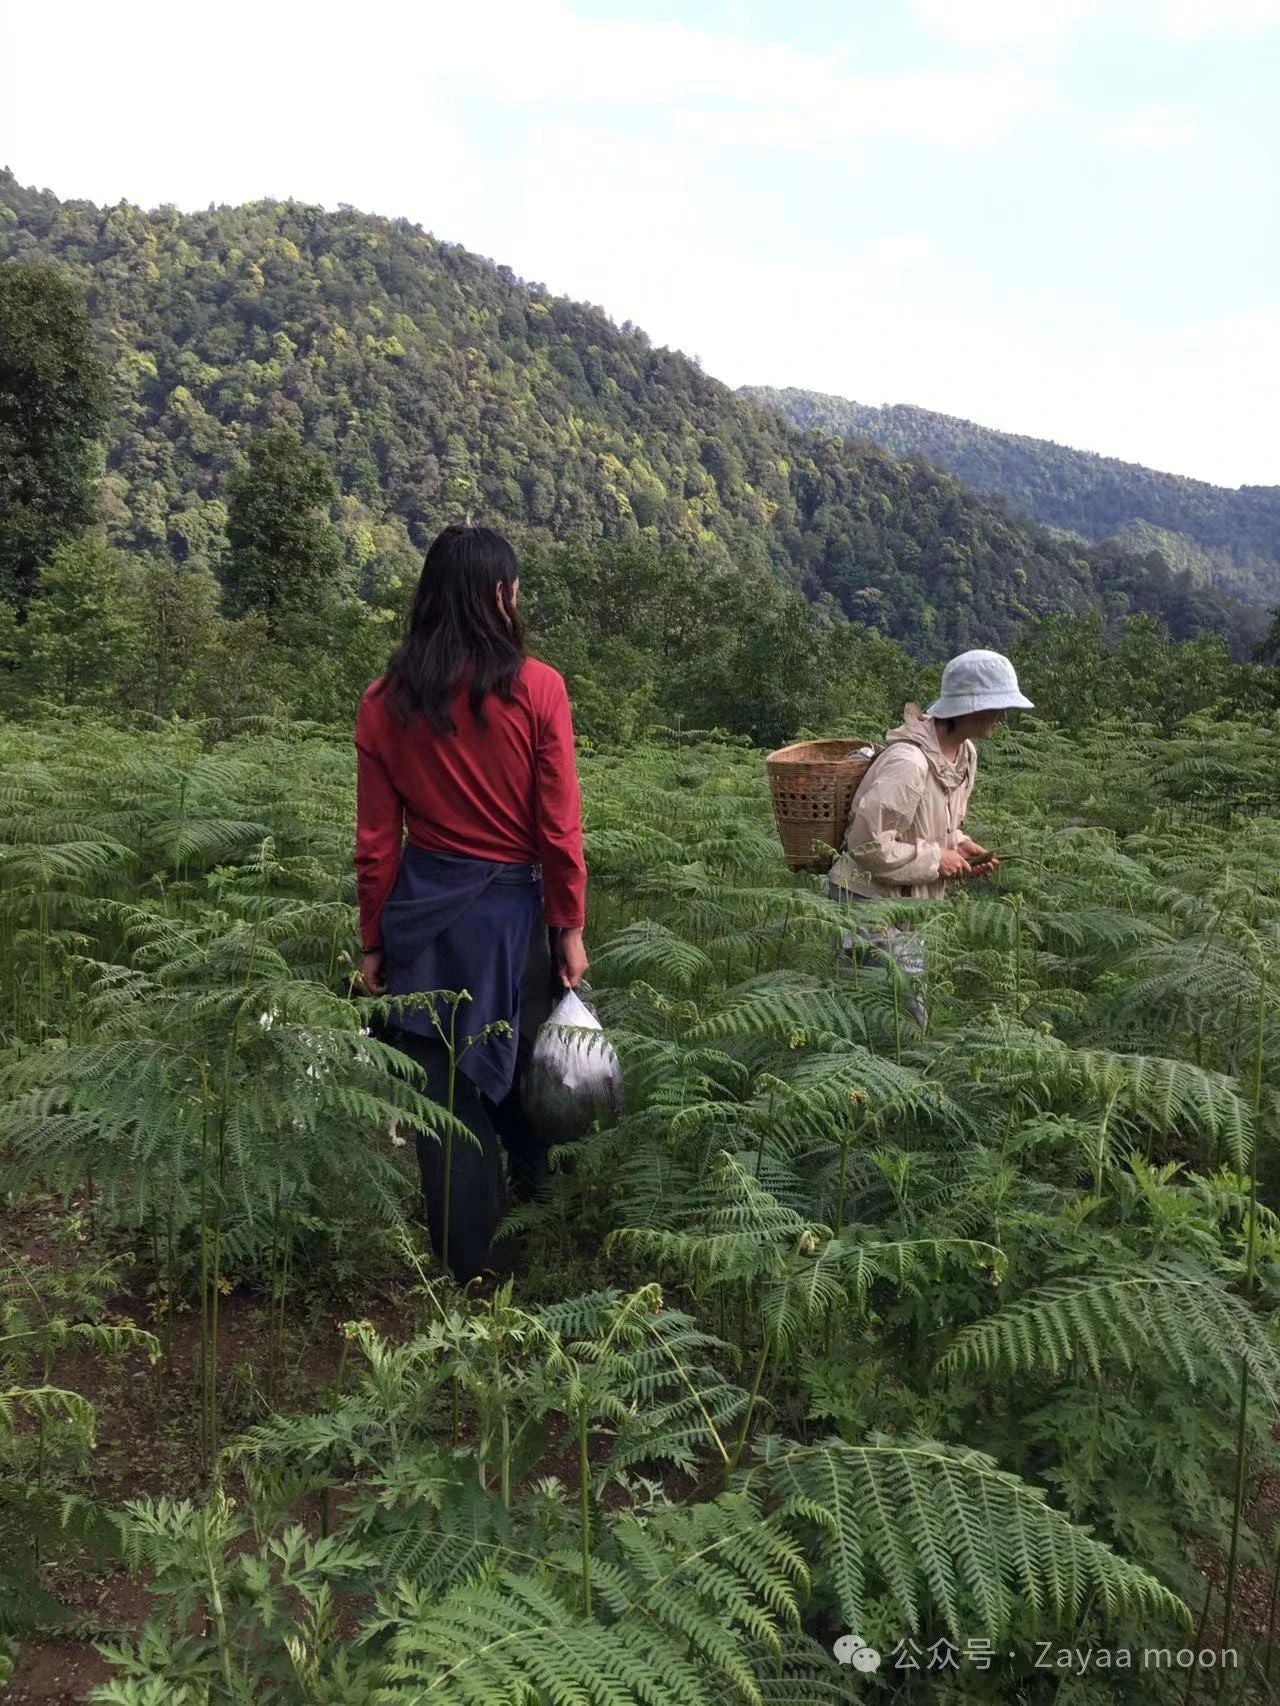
978, 681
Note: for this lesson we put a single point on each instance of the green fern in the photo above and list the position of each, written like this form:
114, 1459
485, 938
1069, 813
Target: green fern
944, 1526
1167, 1312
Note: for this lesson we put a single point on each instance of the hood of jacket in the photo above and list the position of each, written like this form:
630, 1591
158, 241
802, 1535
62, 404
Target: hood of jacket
919, 730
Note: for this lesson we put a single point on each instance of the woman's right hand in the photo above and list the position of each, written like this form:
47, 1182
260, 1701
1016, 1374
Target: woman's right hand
952, 863
572, 955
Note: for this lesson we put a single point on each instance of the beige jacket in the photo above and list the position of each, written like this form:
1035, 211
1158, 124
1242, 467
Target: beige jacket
910, 807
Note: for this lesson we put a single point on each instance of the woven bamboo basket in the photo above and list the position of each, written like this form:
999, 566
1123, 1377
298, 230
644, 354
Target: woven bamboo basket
813, 784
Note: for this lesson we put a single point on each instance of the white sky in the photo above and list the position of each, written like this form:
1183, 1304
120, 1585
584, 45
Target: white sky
1053, 216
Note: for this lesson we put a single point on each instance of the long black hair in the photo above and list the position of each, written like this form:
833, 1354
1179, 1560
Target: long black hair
463, 627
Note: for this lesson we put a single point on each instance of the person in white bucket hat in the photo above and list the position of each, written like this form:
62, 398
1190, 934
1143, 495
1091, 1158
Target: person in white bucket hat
905, 838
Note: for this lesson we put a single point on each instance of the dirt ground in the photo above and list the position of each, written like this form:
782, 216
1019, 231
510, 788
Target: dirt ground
148, 1432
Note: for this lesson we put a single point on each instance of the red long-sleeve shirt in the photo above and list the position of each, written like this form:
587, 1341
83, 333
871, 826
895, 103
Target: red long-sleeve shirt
507, 792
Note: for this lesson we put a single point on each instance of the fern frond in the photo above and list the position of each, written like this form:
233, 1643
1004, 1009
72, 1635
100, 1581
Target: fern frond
1169, 1312
944, 1527
797, 1010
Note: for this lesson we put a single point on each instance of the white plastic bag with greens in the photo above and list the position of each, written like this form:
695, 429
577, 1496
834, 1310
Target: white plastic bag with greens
573, 1078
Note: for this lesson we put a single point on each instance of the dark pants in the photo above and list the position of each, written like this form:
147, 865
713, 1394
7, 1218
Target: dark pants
478, 1192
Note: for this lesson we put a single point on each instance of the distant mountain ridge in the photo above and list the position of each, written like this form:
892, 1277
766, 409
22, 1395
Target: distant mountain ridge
438, 385
1224, 537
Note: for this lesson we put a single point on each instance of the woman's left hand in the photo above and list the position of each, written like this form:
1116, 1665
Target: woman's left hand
371, 973
980, 862
572, 957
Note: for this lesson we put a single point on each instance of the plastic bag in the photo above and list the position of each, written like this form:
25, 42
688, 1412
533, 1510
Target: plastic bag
573, 1078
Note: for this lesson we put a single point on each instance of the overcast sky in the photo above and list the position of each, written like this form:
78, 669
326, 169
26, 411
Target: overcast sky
1054, 216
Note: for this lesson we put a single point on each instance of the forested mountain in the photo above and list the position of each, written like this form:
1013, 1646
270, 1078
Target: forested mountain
437, 384
1229, 538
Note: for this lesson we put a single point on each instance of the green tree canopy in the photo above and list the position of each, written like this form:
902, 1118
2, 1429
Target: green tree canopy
1227, 538
53, 405
285, 554
82, 634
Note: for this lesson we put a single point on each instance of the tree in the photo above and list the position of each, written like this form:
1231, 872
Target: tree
285, 554
1079, 674
1268, 649
325, 658
53, 403
1062, 662
767, 684
82, 637
178, 638
1166, 681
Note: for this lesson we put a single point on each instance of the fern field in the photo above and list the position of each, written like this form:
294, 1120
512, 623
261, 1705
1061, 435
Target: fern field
959, 1340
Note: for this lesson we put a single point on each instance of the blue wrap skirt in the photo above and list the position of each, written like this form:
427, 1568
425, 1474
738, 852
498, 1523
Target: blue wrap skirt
457, 925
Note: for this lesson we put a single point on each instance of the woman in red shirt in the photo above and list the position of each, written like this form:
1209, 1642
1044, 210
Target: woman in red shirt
469, 868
